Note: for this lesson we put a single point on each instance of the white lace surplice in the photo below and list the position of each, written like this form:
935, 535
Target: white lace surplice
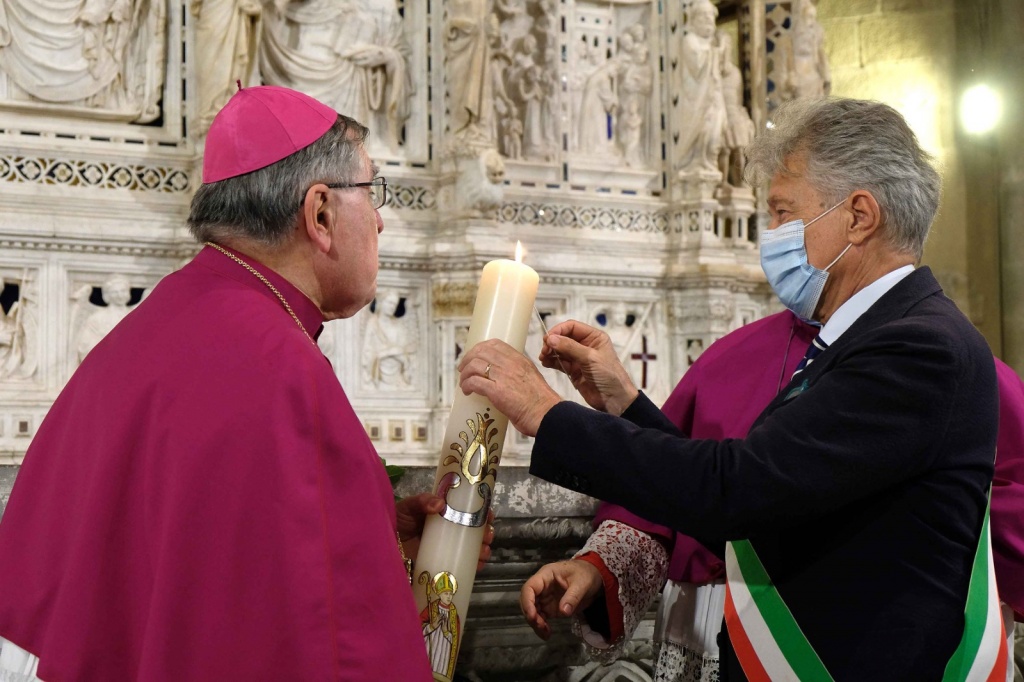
689, 618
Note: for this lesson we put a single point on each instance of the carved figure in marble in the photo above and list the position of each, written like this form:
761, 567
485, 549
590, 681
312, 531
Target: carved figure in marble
702, 112
19, 333
635, 87
806, 71
227, 42
469, 36
614, 102
694, 348
103, 58
618, 327
635, 342
529, 93
507, 125
587, 60
599, 106
97, 321
390, 344
738, 132
512, 135
479, 184
352, 55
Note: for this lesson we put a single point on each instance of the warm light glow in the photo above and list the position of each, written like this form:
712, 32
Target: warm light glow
519, 251
980, 109
919, 104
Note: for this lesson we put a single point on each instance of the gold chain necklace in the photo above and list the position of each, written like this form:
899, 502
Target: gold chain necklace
266, 281
405, 560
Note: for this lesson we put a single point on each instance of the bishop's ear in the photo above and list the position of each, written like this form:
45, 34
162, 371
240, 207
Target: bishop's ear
867, 216
317, 216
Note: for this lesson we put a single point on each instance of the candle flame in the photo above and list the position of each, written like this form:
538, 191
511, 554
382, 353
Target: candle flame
519, 251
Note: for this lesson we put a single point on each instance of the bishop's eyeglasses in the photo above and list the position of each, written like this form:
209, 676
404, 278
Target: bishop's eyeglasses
378, 189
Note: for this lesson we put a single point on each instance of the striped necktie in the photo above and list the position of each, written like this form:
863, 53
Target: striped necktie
813, 351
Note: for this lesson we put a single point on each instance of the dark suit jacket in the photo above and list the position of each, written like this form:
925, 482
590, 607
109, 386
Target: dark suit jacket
862, 486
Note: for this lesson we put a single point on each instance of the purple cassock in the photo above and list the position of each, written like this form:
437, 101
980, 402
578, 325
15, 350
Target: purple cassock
201, 503
734, 380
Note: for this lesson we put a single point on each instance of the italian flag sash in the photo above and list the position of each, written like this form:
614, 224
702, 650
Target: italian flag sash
771, 647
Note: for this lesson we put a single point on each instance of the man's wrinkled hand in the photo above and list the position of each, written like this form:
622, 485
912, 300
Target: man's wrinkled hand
510, 381
558, 590
587, 355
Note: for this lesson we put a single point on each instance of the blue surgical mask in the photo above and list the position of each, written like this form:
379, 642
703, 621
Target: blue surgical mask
797, 283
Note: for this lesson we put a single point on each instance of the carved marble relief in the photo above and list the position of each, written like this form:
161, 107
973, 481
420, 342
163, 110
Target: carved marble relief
391, 343
797, 61
635, 85
470, 34
524, 63
351, 55
535, 119
610, 86
479, 184
738, 131
99, 58
227, 42
702, 118
90, 322
19, 326
632, 330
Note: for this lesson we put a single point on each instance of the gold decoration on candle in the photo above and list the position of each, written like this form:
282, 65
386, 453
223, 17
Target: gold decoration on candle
482, 447
466, 472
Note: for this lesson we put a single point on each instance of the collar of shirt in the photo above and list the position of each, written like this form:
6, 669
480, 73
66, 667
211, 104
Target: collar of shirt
307, 311
848, 312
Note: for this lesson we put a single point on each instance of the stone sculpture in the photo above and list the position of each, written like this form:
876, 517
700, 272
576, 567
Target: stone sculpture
19, 329
469, 35
806, 71
227, 41
390, 344
738, 131
351, 55
702, 111
116, 293
103, 58
635, 86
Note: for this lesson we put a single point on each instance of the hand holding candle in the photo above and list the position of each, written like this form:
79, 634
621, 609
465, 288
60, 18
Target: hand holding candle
510, 381
445, 567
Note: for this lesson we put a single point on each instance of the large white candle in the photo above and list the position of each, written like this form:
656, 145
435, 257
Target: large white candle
445, 565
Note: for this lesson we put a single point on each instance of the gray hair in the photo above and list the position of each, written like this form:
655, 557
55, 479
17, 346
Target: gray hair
855, 144
264, 205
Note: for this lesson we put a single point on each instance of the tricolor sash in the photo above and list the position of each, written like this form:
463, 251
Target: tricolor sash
771, 647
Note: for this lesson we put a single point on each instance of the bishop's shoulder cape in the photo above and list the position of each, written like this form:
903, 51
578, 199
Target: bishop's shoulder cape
201, 503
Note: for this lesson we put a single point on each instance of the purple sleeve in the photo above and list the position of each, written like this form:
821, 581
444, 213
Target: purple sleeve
690, 560
1008, 492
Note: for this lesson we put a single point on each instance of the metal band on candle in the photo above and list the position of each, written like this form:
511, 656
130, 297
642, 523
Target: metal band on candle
471, 519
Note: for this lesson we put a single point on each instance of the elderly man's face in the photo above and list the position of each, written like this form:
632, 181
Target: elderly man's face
351, 282
791, 196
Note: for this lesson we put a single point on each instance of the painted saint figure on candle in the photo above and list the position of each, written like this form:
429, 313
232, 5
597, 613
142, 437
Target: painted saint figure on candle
440, 622
470, 452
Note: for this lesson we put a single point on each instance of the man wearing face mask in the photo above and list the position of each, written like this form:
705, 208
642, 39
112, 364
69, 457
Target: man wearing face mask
853, 515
